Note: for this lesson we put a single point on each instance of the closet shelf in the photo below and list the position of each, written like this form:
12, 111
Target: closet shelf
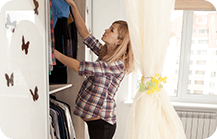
58, 87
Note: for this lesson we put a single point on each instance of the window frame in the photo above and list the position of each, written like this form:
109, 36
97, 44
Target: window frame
185, 54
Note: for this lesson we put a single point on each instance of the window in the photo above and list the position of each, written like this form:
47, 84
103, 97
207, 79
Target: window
188, 71
198, 92
202, 31
213, 74
201, 52
200, 72
203, 41
199, 82
212, 85
201, 62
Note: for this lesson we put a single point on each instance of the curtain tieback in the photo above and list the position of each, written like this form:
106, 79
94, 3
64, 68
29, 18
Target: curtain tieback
153, 85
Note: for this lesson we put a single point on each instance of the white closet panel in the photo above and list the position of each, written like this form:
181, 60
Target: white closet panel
23, 115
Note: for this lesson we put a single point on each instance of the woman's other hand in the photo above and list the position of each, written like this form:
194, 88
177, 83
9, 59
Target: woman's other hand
72, 63
79, 22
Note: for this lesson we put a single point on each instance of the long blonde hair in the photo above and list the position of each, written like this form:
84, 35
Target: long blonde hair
123, 51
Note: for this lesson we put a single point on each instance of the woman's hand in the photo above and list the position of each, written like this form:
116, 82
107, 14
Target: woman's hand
56, 54
72, 63
71, 3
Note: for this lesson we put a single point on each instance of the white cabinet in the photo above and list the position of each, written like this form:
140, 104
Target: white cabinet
23, 68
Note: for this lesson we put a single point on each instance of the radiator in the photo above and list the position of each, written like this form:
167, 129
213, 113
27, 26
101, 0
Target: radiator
198, 125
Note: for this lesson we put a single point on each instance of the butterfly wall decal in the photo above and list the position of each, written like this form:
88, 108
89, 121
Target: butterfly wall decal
25, 46
36, 6
10, 80
35, 95
10, 24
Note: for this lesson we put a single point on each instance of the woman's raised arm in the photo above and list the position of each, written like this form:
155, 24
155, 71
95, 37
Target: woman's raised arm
79, 22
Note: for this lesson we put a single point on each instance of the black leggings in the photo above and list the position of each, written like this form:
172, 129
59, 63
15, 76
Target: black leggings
100, 129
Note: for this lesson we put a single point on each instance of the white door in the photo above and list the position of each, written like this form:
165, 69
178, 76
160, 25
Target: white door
23, 73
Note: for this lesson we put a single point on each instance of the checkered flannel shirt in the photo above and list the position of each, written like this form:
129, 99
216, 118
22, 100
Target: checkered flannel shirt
97, 93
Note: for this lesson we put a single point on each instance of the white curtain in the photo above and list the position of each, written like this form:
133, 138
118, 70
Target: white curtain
151, 116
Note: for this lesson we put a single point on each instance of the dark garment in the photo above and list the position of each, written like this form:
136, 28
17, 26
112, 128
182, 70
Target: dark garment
60, 121
58, 75
73, 39
66, 104
61, 37
100, 129
64, 121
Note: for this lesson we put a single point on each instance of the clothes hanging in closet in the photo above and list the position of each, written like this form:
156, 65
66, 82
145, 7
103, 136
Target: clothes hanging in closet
60, 9
51, 135
65, 41
51, 39
59, 73
61, 120
54, 123
73, 38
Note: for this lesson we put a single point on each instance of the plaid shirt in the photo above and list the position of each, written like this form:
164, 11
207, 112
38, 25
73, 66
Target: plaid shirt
96, 96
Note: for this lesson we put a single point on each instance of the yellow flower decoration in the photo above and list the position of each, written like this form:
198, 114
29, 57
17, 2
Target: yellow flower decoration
163, 79
154, 85
156, 88
156, 75
149, 92
156, 81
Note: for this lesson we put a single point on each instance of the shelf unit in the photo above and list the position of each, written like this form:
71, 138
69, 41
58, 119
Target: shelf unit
58, 87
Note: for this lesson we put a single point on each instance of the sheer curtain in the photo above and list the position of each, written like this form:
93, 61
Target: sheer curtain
151, 116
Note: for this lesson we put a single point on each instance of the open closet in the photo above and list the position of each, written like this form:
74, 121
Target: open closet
25, 80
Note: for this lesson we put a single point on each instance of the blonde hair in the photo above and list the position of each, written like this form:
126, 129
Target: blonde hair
123, 51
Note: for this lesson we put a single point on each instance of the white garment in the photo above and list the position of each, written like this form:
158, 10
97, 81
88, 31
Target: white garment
151, 116
51, 135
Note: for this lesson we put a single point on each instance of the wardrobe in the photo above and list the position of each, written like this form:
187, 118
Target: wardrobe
24, 74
